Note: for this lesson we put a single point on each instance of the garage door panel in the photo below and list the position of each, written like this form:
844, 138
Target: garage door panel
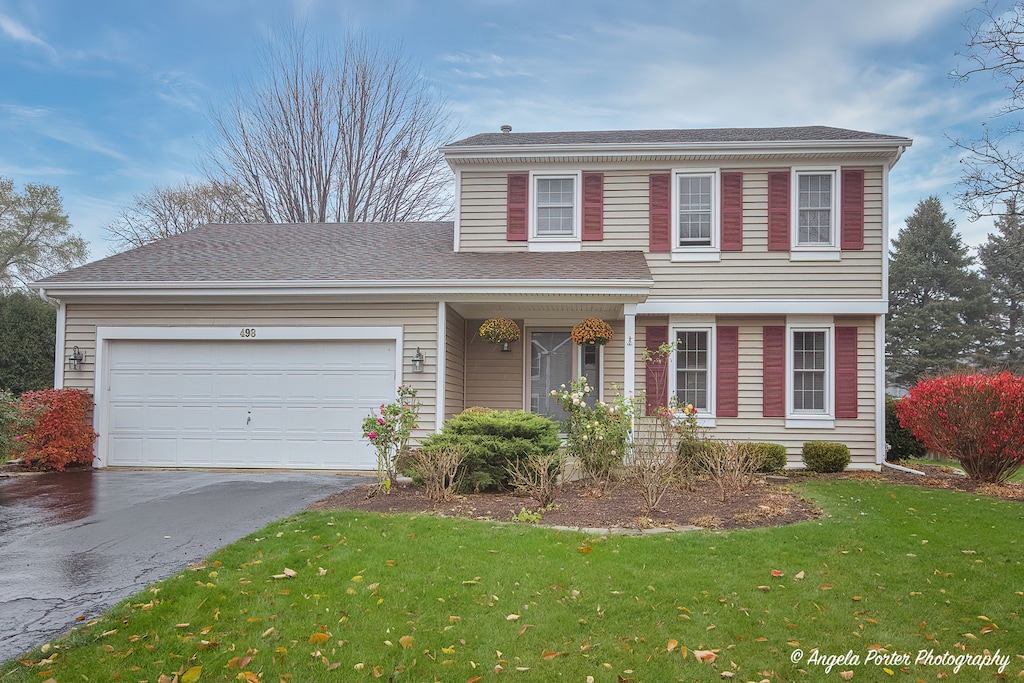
245, 404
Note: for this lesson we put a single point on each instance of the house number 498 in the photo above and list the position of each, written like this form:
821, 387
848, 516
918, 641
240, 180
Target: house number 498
247, 332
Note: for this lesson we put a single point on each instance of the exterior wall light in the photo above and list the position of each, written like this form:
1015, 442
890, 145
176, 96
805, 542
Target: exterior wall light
417, 361
75, 359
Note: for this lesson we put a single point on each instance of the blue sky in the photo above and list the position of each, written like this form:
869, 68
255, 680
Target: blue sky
106, 99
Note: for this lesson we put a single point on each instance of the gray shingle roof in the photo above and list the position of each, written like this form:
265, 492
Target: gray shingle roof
339, 252
678, 136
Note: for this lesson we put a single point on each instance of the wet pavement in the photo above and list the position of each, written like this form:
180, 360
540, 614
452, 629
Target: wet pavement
75, 543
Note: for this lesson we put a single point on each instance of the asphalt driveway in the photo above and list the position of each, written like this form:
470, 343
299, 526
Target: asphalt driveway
74, 544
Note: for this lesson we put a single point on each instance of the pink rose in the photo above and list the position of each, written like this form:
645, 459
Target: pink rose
380, 420
372, 435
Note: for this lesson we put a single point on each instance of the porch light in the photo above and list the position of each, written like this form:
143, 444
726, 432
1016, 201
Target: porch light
75, 359
417, 361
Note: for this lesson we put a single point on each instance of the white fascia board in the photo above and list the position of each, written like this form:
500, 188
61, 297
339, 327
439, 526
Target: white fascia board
763, 306
893, 147
354, 288
260, 332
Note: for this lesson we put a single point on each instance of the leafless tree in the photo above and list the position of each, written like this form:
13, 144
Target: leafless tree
326, 134
172, 210
994, 163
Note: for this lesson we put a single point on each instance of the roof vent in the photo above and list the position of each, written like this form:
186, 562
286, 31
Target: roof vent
506, 129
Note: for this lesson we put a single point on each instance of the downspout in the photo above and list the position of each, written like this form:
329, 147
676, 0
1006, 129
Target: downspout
901, 468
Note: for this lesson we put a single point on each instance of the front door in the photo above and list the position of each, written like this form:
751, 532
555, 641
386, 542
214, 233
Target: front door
551, 366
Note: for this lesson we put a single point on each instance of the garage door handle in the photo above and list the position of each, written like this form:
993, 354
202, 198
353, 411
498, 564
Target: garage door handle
249, 418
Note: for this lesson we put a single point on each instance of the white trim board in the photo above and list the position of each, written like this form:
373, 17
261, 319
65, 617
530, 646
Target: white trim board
763, 306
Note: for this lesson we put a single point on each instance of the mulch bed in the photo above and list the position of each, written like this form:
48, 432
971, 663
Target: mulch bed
580, 506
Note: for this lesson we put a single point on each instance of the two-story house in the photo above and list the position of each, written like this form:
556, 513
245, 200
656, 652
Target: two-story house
761, 253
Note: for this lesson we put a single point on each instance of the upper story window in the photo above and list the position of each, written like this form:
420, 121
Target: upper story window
695, 215
556, 206
555, 210
816, 215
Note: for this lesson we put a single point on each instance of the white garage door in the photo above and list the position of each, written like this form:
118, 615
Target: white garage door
259, 404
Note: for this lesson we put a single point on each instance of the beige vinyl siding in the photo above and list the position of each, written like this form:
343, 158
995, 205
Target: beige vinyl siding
455, 364
494, 378
482, 212
752, 273
750, 425
419, 323
613, 366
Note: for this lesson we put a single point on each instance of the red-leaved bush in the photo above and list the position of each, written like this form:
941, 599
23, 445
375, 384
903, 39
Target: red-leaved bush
976, 419
61, 433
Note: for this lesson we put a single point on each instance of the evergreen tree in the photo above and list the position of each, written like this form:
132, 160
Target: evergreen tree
937, 305
28, 328
1002, 260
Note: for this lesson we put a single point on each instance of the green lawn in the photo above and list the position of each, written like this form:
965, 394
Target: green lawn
421, 598
1018, 476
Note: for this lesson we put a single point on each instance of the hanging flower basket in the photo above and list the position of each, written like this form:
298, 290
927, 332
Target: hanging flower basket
592, 331
499, 330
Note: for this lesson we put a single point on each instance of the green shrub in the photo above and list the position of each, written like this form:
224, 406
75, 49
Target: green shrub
493, 441
826, 456
773, 457
900, 440
690, 454
14, 424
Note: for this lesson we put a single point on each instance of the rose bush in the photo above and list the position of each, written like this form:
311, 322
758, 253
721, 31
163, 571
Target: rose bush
597, 433
388, 433
976, 419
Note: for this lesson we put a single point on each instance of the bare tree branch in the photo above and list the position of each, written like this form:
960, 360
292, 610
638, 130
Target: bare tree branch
165, 211
328, 135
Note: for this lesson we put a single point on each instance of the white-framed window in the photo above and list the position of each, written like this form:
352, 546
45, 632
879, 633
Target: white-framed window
555, 210
695, 214
810, 374
815, 214
692, 369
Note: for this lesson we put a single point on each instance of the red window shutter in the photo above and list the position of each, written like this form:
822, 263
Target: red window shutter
593, 207
778, 211
853, 209
846, 372
727, 368
657, 373
661, 210
518, 191
774, 389
732, 211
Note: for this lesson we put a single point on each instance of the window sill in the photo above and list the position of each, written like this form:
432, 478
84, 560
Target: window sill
553, 245
814, 255
810, 422
694, 256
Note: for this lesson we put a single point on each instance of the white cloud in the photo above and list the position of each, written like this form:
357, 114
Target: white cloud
17, 31
47, 123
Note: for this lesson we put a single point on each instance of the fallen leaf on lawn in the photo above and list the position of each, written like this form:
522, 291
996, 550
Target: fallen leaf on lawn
406, 642
182, 625
672, 644
764, 588
706, 656
799, 576
988, 628
323, 572
192, 675
777, 573
512, 617
727, 674
453, 619
969, 552
584, 549
319, 638
474, 679
846, 675
522, 668
498, 668
825, 587
268, 632
548, 654
523, 629
290, 573
357, 577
